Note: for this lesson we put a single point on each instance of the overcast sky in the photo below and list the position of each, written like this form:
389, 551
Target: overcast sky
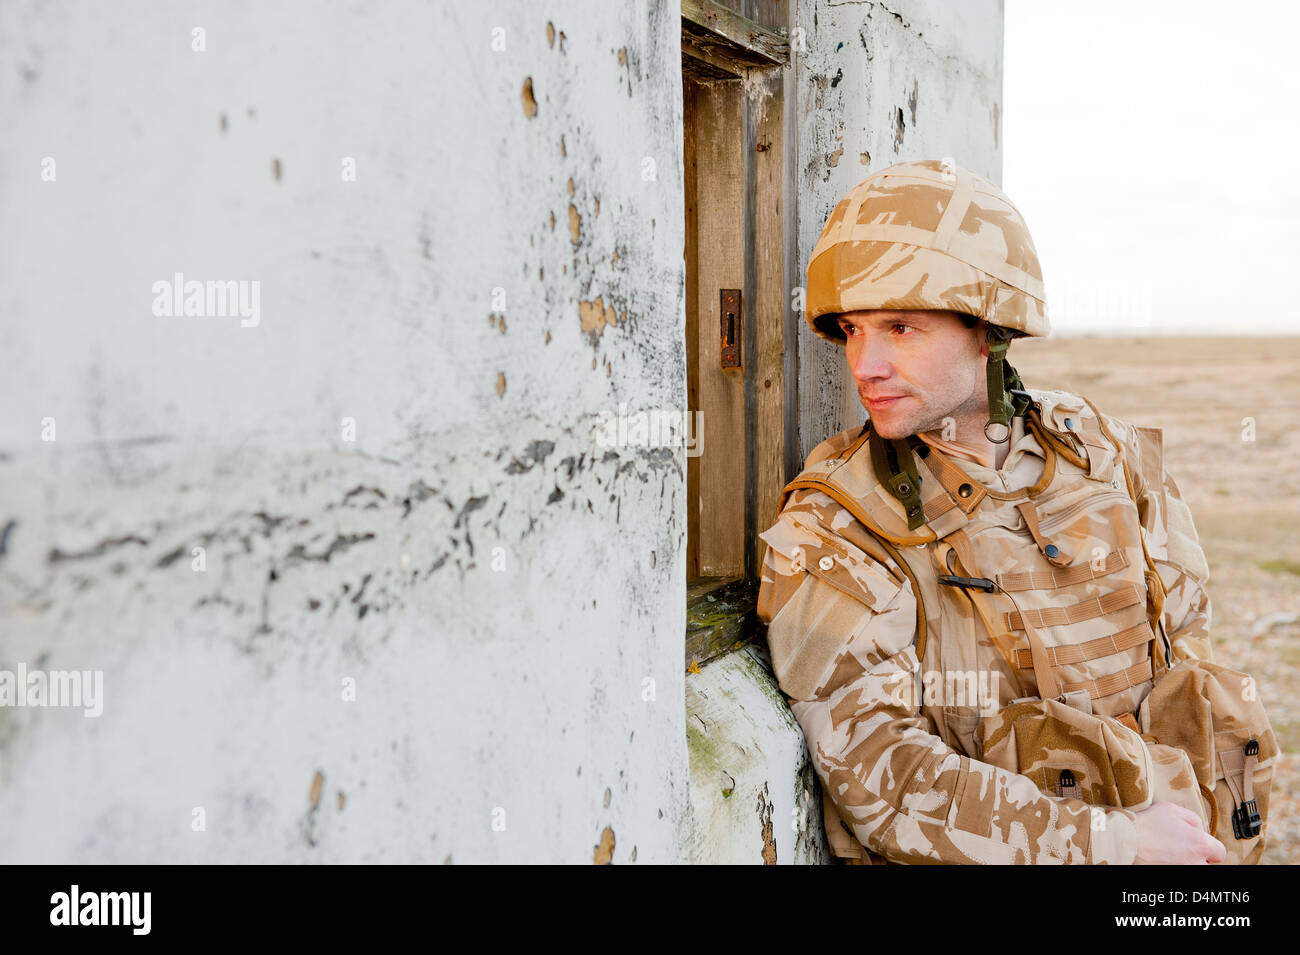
1153, 148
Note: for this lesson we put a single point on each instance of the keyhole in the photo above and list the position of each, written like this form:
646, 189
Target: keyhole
731, 328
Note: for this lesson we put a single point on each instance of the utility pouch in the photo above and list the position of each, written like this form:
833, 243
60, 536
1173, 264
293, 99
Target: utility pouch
1069, 752
1214, 714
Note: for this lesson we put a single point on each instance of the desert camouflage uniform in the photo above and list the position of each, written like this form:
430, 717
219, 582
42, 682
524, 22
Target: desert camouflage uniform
974, 656
897, 725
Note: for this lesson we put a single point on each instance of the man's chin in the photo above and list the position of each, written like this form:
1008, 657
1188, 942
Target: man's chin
887, 427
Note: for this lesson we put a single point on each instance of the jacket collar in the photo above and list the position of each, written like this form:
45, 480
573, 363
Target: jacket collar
949, 495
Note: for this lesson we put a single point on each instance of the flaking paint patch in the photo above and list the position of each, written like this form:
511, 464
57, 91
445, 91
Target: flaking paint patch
604, 850
575, 225
627, 69
309, 821
765, 815
529, 101
596, 315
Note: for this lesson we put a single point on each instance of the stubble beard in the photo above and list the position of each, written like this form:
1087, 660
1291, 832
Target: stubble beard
964, 410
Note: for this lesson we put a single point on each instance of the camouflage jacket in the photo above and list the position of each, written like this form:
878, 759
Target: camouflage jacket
1090, 582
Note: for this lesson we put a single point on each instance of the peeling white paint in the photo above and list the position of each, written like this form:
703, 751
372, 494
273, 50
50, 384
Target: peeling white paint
328, 554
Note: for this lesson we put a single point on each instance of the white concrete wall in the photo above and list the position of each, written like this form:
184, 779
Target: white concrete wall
881, 83
506, 592
478, 687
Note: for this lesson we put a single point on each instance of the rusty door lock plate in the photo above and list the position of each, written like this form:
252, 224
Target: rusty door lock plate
731, 326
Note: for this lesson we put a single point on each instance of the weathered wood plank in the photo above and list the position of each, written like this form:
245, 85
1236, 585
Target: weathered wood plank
729, 34
721, 616
720, 196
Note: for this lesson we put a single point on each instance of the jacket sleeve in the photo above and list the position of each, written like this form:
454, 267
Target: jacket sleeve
841, 630
1173, 545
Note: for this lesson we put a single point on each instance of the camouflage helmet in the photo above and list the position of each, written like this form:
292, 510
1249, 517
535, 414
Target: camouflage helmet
930, 234
926, 235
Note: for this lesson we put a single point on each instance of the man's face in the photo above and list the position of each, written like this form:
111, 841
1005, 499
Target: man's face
927, 361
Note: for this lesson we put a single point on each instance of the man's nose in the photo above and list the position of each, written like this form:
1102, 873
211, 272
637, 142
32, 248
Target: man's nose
869, 361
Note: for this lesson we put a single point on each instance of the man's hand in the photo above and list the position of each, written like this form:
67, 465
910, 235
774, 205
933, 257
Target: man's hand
1171, 835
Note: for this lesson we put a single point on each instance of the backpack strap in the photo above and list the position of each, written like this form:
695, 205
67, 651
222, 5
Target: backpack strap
1155, 584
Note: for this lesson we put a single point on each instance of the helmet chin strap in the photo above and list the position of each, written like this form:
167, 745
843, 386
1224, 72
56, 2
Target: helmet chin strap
1007, 398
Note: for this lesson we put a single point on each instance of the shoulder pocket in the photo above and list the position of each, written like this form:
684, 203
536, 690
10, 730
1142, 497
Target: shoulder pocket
828, 630
841, 564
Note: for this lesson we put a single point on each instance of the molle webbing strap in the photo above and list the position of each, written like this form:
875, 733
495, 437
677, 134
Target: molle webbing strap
1044, 674
895, 468
1045, 678
1125, 596
1054, 579
1108, 645
1135, 675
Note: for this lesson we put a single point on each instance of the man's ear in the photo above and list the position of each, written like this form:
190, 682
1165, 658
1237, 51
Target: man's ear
981, 331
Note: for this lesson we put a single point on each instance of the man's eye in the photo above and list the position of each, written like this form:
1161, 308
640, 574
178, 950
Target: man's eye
901, 325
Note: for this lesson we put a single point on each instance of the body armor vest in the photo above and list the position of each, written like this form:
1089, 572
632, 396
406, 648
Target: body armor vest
1040, 630
1047, 591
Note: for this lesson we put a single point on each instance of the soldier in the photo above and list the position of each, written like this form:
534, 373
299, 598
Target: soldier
970, 599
